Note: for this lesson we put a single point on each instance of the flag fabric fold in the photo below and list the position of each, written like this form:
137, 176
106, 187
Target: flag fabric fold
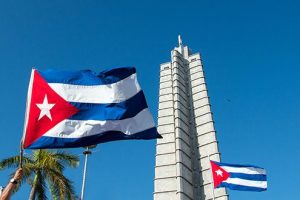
239, 177
82, 108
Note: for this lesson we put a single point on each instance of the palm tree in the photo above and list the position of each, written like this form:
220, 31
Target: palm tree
44, 169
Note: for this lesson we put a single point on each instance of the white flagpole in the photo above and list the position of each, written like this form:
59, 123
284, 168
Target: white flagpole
28, 101
86, 152
212, 179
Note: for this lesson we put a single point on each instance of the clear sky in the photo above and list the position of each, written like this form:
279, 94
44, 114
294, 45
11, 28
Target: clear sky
251, 56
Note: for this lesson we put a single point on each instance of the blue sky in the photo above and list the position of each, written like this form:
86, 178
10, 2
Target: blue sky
250, 51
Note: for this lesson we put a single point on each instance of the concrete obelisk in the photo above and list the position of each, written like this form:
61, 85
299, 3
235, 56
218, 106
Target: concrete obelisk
182, 169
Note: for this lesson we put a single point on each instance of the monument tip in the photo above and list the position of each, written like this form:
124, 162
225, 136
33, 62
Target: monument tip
179, 40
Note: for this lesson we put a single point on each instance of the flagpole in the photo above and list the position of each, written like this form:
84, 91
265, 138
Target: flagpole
212, 179
86, 152
21, 154
28, 101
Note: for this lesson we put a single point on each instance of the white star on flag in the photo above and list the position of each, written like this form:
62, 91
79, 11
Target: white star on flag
45, 108
219, 172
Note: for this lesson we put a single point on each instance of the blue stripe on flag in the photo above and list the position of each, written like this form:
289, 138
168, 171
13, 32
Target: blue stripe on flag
87, 77
111, 111
252, 177
48, 142
235, 165
241, 187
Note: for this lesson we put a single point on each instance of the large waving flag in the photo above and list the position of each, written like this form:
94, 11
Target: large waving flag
82, 108
239, 177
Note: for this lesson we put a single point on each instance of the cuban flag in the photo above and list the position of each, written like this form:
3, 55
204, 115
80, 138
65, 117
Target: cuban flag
239, 177
82, 108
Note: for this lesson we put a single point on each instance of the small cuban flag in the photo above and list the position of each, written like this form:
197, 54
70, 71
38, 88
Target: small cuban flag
82, 108
239, 177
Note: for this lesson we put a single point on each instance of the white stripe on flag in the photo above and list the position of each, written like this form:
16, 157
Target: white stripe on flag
111, 93
244, 170
82, 128
249, 183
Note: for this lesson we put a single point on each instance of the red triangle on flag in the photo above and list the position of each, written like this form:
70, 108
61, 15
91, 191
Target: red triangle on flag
219, 174
46, 110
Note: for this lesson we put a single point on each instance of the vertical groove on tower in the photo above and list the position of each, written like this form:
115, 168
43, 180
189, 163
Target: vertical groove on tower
165, 169
182, 170
205, 141
181, 108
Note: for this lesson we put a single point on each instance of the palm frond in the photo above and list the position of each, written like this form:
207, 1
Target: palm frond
67, 159
40, 187
42, 166
61, 186
52, 162
9, 162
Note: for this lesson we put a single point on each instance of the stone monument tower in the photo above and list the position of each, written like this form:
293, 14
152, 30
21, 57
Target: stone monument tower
182, 169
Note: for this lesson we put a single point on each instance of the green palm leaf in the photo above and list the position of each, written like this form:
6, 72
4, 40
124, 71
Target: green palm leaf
43, 170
